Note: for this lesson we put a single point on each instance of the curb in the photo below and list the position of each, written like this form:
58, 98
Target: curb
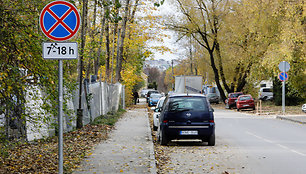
290, 119
152, 154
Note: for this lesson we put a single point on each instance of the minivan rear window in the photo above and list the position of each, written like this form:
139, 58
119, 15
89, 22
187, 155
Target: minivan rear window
177, 104
267, 90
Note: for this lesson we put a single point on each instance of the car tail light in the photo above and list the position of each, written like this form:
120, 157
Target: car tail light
211, 121
165, 121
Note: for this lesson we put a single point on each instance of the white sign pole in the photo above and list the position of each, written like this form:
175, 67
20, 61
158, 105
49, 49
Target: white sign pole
284, 67
60, 116
283, 92
60, 51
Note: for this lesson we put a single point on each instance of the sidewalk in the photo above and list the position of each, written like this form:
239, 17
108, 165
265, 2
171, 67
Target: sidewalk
294, 118
129, 148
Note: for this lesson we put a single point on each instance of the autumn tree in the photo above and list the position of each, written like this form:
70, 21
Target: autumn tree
202, 20
22, 67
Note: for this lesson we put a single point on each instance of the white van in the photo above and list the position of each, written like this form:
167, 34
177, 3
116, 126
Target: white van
265, 93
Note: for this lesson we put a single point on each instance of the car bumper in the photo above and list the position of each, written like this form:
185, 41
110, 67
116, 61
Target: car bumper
189, 131
153, 103
245, 106
214, 100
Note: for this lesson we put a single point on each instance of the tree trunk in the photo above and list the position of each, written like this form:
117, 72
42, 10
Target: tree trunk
120, 55
107, 50
115, 32
79, 123
97, 62
221, 68
216, 73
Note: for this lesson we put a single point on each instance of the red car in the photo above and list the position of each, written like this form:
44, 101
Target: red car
245, 102
230, 102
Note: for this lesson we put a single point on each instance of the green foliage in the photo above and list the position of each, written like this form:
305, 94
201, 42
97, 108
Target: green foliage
139, 85
292, 97
109, 119
22, 67
152, 85
254, 37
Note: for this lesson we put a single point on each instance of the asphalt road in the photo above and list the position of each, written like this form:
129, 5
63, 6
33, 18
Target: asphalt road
263, 144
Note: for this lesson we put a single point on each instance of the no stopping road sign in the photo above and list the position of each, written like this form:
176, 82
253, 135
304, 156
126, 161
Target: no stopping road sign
283, 76
59, 20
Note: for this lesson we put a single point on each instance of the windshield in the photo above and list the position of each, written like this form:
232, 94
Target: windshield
235, 95
211, 95
245, 98
155, 95
187, 104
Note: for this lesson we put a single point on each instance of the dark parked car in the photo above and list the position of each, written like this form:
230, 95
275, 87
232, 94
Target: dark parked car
186, 116
144, 92
245, 102
213, 98
230, 102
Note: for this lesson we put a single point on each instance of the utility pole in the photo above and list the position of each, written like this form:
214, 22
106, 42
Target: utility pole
172, 75
191, 61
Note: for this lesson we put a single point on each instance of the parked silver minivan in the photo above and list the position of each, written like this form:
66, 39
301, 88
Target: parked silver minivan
265, 93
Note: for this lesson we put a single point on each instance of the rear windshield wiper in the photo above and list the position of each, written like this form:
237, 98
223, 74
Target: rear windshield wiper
180, 110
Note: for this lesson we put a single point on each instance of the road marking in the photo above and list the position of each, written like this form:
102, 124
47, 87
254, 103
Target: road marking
261, 138
279, 145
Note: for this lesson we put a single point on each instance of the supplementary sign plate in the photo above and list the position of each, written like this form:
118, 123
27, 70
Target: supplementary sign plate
60, 50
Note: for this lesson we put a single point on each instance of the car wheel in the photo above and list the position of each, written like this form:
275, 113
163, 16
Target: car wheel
238, 109
163, 138
253, 108
212, 140
155, 128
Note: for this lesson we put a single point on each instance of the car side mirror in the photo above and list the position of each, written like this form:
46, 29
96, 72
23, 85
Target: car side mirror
157, 110
212, 110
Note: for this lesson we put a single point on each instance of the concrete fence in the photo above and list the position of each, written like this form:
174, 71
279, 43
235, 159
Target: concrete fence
101, 99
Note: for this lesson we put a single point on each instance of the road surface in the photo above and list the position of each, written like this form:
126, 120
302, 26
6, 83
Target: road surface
269, 145
244, 144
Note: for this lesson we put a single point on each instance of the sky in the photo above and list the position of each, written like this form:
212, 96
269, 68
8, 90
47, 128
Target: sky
177, 52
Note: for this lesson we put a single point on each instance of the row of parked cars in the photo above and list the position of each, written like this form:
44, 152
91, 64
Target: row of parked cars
240, 101
152, 96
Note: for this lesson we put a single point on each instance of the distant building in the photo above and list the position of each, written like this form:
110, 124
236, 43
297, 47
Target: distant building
161, 64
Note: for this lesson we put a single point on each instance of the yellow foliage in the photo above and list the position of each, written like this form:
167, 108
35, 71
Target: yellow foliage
129, 79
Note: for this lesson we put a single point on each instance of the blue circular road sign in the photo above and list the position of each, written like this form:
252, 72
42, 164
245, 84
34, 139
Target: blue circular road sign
283, 76
59, 20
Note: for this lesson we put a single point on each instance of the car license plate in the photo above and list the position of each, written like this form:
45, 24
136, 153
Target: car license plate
188, 132
245, 105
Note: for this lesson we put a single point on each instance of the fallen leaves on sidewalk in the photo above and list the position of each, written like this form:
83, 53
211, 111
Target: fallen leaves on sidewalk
42, 156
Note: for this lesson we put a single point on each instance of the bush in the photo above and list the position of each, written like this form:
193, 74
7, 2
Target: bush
292, 97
